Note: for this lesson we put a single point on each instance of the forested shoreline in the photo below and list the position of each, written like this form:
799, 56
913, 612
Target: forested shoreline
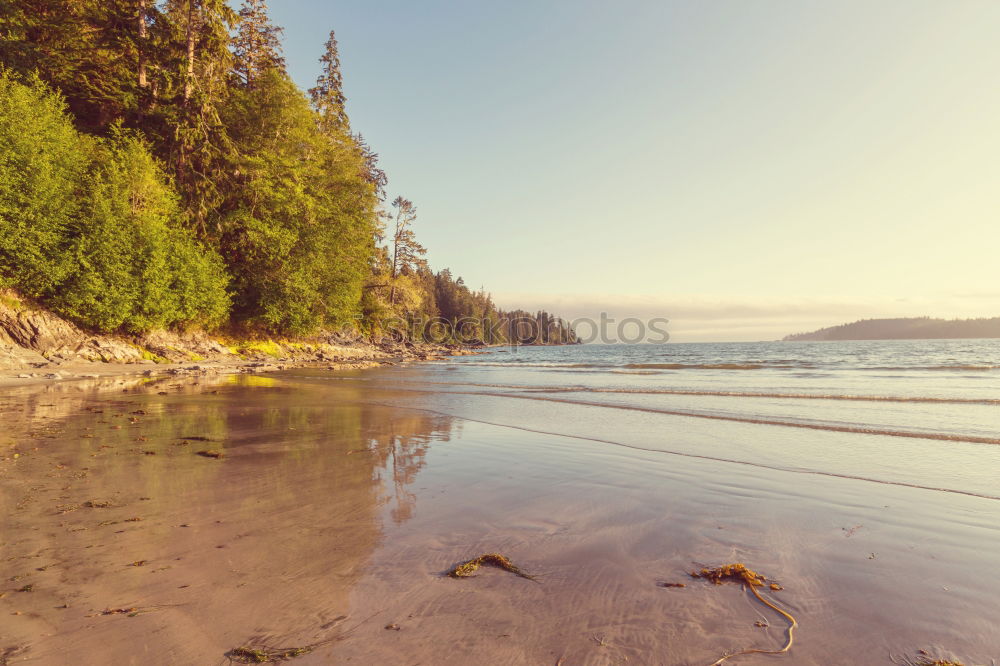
905, 328
159, 169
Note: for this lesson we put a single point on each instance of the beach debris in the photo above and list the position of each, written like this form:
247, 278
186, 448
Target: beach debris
130, 612
254, 652
739, 573
469, 567
262, 655
924, 659
8, 653
97, 504
664, 583
211, 454
849, 531
393, 626
30, 587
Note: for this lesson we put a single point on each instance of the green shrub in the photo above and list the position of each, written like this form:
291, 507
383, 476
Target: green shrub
42, 159
134, 269
91, 227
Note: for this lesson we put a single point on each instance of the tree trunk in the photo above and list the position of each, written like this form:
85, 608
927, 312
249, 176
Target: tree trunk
141, 46
189, 79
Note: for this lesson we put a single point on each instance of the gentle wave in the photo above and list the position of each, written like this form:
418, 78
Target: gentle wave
945, 368
727, 394
827, 427
747, 365
748, 463
704, 366
753, 394
830, 427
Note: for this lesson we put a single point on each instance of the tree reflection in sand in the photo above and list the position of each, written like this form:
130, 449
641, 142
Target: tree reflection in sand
265, 542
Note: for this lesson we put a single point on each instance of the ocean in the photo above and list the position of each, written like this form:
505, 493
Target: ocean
924, 413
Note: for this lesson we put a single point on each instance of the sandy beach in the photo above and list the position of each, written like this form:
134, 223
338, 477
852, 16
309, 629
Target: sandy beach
338, 504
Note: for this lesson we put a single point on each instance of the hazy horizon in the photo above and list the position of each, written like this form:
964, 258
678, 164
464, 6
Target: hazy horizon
745, 170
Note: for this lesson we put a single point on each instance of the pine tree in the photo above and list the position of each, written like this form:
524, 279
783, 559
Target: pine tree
407, 253
195, 140
257, 46
370, 171
328, 95
86, 49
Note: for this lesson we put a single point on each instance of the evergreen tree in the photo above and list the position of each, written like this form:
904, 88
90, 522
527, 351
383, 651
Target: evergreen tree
328, 95
182, 185
299, 221
407, 253
86, 49
257, 47
371, 171
198, 146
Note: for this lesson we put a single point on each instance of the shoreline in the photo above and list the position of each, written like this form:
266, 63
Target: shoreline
82, 370
37, 346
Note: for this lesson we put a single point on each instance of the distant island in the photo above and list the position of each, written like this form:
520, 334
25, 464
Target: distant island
907, 328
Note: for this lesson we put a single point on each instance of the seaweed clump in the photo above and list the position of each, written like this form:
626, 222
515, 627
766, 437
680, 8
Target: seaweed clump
924, 659
211, 454
468, 568
249, 655
739, 573
927, 661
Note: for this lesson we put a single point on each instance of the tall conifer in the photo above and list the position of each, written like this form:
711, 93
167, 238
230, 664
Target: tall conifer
328, 95
257, 47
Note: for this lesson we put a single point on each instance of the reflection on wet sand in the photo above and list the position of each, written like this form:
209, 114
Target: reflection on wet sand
339, 503
110, 509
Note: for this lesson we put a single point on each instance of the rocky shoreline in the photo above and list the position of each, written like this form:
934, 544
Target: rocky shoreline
36, 345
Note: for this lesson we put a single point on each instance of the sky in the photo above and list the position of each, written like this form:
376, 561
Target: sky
746, 169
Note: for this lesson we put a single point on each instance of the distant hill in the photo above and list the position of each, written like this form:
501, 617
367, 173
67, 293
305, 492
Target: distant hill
912, 328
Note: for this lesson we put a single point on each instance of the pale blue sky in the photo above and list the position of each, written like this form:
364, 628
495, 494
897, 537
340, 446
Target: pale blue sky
746, 168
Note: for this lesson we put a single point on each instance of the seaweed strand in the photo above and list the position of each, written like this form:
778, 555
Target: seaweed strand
752, 580
468, 568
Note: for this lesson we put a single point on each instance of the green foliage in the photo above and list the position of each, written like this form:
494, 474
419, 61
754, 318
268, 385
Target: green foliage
83, 48
299, 227
266, 347
150, 356
41, 164
90, 226
208, 188
135, 270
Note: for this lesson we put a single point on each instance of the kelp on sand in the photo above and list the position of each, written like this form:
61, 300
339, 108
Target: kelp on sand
261, 655
469, 567
739, 573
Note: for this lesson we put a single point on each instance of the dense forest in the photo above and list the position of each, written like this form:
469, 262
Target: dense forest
912, 328
160, 169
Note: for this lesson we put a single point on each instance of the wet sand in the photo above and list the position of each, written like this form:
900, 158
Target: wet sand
339, 505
